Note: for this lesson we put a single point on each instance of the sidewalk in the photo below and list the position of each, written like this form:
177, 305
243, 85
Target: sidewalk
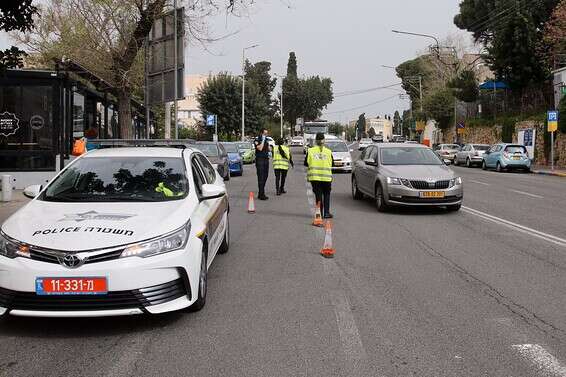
8, 208
545, 170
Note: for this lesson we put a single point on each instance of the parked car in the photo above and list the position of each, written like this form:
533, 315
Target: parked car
119, 231
377, 139
341, 155
235, 163
247, 152
471, 154
507, 157
364, 143
217, 155
297, 141
447, 151
405, 175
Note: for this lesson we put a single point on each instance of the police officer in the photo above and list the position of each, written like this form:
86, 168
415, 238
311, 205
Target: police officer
319, 164
281, 160
262, 162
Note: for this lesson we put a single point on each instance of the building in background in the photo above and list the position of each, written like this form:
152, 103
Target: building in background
381, 126
189, 109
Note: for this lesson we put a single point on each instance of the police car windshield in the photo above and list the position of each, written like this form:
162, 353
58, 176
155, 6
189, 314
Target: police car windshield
409, 156
231, 148
209, 150
337, 147
120, 179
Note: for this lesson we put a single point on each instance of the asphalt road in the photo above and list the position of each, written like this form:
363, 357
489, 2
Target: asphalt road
410, 293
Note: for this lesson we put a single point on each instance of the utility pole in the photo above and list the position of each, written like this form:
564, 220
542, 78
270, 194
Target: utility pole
244, 89
176, 68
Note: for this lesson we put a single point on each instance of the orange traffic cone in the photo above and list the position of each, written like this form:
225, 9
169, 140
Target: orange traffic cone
251, 203
317, 216
327, 250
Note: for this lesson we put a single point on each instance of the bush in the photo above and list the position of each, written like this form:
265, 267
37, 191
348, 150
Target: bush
508, 127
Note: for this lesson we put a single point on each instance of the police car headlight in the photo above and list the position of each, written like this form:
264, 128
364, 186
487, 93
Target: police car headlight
170, 242
11, 248
456, 182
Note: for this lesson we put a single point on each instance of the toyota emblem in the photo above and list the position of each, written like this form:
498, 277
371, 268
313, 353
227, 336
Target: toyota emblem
71, 261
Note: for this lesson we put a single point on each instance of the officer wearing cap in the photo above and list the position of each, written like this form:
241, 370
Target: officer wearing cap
262, 162
319, 164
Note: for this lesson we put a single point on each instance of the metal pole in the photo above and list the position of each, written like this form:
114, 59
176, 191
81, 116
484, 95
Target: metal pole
421, 91
146, 92
216, 128
552, 150
243, 92
176, 68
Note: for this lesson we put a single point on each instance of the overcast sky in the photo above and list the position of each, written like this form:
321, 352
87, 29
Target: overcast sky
347, 41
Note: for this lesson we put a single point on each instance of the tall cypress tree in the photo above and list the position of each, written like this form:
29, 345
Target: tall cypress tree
292, 65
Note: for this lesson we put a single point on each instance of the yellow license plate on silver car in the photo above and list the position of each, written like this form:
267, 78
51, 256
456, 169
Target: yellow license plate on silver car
432, 194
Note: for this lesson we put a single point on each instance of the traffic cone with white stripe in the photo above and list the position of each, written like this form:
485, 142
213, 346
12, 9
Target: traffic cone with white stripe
251, 203
327, 250
317, 216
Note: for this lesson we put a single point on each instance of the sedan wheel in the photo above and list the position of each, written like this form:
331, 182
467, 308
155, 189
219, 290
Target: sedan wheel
202, 285
380, 200
455, 161
468, 163
498, 167
356, 194
484, 165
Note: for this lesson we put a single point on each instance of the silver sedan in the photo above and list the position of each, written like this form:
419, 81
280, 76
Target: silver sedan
471, 154
405, 175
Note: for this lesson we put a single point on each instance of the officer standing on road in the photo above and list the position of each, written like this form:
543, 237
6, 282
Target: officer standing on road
262, 162
319, 162
281, 160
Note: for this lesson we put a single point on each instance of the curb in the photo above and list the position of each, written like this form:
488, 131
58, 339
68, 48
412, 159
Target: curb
551, 173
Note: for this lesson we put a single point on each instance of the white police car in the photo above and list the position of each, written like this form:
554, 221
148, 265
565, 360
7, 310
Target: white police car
119, 231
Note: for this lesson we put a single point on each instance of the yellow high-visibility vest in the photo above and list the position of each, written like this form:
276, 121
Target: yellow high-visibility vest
280, 162
319, 160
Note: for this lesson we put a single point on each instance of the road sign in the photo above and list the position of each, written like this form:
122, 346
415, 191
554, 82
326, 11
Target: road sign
552, 121
211, 120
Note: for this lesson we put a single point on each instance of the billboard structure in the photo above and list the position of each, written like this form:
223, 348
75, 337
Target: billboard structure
165, 59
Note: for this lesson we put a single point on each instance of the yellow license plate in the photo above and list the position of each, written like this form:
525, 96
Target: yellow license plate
516, 158
432, 194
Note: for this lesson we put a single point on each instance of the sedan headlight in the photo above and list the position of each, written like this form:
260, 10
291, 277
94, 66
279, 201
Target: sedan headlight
11, 248
175, 240
398, 182
456, 182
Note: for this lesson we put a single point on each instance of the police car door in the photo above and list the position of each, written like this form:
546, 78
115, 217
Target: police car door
213, 211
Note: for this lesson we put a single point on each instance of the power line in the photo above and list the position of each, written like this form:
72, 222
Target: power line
362, 91
363, 106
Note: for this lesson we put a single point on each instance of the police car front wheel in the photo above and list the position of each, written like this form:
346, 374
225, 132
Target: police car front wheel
202, 283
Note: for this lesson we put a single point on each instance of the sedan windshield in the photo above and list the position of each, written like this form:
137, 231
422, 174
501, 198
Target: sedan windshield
337, 147
231, 148
451, 147
120, 179
481, 147
209, 150
409, 156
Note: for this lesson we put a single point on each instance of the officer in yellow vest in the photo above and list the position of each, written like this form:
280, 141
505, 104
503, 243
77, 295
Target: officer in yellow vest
281, 160
319, 164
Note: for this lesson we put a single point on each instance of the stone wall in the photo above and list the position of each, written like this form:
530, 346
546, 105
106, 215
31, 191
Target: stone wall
492, 135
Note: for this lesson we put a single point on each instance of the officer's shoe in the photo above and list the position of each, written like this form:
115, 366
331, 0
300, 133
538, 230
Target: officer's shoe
328, 216
263, 197
283, 191
278, 193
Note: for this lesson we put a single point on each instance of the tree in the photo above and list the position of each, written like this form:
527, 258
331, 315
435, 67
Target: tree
465, 86
371, 132
292, 65
554, 36
361, 125
15, 16
439, 107
259, 74
106, 37
222, 95
510, 30
336, 129
407, 121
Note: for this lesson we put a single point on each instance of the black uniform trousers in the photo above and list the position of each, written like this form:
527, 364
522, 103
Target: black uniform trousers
262, 168
280, 177
322, 194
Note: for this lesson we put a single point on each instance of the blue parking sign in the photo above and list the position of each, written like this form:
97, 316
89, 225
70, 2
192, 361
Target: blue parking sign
553, 116
210, 120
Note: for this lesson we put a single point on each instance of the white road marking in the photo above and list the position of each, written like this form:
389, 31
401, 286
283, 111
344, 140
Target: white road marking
518, 227
543, 360
528, 194
352, 346
480, 183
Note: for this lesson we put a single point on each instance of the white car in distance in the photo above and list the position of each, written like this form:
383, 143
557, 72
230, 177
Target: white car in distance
117, 232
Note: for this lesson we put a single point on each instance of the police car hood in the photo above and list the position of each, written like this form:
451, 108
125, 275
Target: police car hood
87, 226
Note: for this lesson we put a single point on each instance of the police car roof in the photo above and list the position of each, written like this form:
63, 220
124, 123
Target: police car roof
138, 152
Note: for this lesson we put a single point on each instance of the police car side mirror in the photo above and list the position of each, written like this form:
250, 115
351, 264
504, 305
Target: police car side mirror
32, 191
210, 192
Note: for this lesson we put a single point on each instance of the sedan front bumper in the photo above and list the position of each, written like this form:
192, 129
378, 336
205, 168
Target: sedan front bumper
135, 285
398, 195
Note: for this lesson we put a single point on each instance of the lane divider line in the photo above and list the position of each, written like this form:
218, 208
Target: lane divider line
518, 227
480, 183
527, 194
541, 358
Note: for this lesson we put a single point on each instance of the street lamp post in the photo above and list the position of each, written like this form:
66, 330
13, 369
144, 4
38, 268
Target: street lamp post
281, 101
244, 88
421, 35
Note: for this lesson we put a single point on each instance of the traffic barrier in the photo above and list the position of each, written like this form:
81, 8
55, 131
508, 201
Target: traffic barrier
251, 203
317, 216
327, 250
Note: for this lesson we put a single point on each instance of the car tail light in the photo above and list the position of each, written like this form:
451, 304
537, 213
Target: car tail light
506, 154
